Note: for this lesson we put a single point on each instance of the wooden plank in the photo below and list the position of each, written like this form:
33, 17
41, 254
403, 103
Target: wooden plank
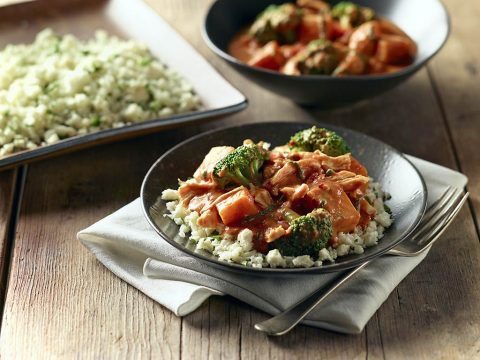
456, 74
61, 302
7, 195
213, 332
302, 343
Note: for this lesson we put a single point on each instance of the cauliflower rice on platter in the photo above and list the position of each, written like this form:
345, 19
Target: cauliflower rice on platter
60, 86
299, 205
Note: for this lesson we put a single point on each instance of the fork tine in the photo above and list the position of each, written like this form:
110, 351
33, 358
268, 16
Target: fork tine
442, 225
434, 234
285, 321
438, 205
437, 213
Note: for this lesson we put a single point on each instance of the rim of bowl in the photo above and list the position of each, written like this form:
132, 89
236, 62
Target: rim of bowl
405, 71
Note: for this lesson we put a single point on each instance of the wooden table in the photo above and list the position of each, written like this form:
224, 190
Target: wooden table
57, 301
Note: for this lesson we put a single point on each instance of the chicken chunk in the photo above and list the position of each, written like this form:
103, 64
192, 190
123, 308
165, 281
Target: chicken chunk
209, 219
188, 190
262, 197
364, 38
272, 234
205, 170
295, 193
288, 175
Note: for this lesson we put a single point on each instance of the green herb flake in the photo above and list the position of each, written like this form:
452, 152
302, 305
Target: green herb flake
56, 47
146, 61
387, 209
262, 213
96, 120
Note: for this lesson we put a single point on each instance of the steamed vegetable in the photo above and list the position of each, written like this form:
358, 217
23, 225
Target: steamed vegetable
277, 23
240, 167
351, 15
327, 141
308, 234
320, 57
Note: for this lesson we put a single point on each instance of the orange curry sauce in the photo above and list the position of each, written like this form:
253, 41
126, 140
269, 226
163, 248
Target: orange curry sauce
311, 38
295, 182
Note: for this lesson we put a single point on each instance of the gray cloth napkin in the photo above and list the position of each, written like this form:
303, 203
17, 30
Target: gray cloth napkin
126, 244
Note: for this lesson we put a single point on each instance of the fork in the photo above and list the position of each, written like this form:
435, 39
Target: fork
435, 221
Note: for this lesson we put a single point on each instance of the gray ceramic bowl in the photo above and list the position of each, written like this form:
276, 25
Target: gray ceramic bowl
426, 21
385, 164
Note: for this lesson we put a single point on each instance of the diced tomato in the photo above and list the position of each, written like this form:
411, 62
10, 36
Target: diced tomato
337, 31
236, 207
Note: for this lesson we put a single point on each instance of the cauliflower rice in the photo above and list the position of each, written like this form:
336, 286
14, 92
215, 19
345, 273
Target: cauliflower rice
241, 250
59, 86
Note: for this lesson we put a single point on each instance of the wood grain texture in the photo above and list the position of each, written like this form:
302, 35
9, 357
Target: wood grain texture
61, 303
7, 194
459, 89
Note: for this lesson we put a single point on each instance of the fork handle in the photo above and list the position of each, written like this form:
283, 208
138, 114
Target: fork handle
288, 319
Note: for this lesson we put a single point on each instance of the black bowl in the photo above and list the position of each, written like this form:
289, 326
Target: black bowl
386, 165
426, 21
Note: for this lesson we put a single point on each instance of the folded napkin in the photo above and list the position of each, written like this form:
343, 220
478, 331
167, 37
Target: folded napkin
127, 245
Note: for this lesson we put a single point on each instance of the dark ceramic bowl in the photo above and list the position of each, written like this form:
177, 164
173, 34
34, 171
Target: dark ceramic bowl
426, 21
385, 164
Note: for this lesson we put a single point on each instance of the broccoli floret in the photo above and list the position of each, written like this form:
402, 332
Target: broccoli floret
309, 234
277, 22
327, 141
240, 167
351, 15
320, 57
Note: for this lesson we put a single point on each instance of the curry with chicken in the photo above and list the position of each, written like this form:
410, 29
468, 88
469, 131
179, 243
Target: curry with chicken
296, 200
310, 37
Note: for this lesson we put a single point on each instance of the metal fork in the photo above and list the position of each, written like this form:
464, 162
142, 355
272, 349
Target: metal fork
435, 221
